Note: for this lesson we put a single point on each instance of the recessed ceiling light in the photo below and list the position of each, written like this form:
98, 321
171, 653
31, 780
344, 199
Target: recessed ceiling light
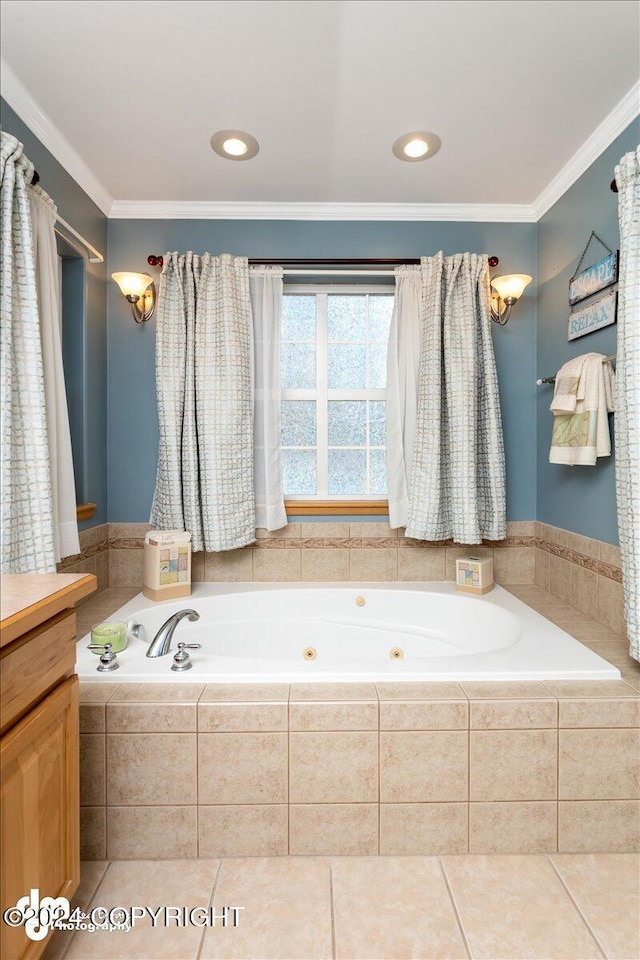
420, 145
234, 145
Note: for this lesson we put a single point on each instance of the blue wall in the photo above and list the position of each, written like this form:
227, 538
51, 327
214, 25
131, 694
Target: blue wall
581, 499
132, 435
86, 374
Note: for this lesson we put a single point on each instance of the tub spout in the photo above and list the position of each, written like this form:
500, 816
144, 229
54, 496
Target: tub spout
161, 643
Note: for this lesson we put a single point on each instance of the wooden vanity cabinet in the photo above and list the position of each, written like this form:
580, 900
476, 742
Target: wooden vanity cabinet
39, 752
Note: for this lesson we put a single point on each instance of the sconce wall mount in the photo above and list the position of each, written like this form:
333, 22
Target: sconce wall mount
140, 290
506, 291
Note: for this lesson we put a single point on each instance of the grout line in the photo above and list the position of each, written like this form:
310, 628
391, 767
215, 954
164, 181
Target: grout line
333, 920
90, 900
211, 903
576, 905
454, 906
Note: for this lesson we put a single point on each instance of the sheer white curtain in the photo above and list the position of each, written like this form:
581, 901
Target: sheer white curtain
403, 364
26, 530
455, 475
63, 492
628, 392
204, 383
266, 305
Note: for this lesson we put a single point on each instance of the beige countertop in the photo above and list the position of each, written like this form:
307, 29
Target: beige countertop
28, 599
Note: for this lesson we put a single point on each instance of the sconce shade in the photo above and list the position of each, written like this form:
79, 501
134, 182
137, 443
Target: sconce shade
132, 284
511, 286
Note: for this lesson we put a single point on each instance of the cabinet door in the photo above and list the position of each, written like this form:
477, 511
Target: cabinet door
40, 810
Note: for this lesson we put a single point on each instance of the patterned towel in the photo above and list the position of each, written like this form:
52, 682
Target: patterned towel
581, 437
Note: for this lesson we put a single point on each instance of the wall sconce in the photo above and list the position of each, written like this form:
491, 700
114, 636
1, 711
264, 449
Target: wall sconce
506, 291
140, 291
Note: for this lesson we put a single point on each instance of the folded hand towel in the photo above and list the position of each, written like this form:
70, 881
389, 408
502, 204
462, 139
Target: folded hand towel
583, 436
569, 381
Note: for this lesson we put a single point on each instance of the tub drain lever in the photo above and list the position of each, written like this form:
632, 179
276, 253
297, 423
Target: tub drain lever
181, 659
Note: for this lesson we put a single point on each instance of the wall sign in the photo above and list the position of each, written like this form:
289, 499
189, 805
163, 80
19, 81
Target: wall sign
596, 277
593, 316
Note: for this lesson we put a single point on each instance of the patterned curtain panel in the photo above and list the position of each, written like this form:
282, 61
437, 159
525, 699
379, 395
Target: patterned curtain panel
628, 392
458, 477
204, 381
27, 537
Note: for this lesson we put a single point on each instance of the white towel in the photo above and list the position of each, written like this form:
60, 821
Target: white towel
569, 381
583, 436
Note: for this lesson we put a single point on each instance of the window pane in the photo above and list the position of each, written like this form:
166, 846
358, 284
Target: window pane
346, 365
378, 472
298, 318
377, 373
298, 366
298, 423
347, 318
377, 423
299, 472
347, 469
347, 423
380, 310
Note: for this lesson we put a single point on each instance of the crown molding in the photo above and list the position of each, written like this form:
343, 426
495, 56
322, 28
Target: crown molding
241, 210
605, 133
30, 112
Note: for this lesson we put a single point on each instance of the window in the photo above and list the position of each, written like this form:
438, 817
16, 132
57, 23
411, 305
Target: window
334, 374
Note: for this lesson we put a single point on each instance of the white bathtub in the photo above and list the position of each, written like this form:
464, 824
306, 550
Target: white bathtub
422, 631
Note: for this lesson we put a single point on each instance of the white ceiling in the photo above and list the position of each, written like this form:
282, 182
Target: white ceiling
137, 88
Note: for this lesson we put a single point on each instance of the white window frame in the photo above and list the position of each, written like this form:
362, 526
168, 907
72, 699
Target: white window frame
322, 394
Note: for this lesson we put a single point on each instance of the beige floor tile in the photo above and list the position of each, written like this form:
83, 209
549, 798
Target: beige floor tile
333, 829
333, 767
610, 826
515, 906
248, 768
393, 908
513, 765
606, 889
287, 910
151, 768
92, 718
599, 764
187, 883
419, 767
91, 874
520, 827
428, 829
152, 833
243, 830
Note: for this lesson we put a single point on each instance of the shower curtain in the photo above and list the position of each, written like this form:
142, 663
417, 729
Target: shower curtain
63, 488
204, 379
628, 392
27, 527
449, 468
265, 285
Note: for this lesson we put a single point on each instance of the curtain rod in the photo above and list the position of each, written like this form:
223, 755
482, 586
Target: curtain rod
542, 380
154, 260
97, 256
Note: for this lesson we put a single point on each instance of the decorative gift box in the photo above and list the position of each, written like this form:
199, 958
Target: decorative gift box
474, 575
167, 564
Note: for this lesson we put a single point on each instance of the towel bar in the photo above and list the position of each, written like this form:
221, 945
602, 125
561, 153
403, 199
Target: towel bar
553, 379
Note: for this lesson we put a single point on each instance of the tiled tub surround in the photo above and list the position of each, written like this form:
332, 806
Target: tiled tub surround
94, 556
580, 571
357, 769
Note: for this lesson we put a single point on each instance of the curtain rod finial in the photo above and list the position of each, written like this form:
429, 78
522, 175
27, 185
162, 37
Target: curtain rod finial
155, 261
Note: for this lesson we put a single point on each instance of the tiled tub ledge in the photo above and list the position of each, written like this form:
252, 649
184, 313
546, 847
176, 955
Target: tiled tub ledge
191, 770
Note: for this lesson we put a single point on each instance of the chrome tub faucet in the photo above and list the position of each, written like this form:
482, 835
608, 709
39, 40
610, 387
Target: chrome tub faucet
161, 643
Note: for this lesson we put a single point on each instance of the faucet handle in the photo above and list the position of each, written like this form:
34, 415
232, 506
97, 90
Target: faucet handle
108, 660
181, 659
